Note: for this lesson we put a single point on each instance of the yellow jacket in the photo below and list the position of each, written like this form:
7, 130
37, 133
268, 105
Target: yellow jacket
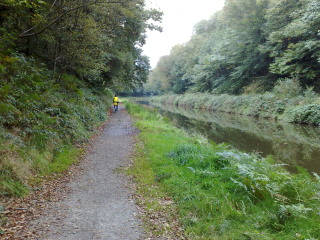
115, 101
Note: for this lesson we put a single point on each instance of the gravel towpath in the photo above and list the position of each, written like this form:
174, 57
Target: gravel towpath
99, 204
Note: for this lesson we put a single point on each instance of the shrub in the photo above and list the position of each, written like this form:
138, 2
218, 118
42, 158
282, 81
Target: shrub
287, 88
287, 102
39, 115
309, 114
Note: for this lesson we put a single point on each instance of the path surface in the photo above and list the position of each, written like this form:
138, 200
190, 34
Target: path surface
99, 205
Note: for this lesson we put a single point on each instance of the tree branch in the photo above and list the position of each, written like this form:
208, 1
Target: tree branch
30, 29
27, 34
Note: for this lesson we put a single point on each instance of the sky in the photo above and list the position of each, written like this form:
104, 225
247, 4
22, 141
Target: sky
178, 20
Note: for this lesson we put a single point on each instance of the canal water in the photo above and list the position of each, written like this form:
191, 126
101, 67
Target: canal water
291, 144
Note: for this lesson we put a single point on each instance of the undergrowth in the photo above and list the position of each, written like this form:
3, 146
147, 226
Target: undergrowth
286, 102
42, 120
222, 193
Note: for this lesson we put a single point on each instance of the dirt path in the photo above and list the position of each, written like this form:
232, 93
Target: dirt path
99, 205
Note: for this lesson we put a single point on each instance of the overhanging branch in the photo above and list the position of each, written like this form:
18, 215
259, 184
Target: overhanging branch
28, 34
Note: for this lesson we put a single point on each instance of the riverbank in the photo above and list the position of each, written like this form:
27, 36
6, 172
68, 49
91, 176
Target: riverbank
221, 193
297, 108
290, 144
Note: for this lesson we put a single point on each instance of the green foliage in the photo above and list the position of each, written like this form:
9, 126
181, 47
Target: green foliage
39, 116
59, 61
99, 42
309, 114
287, 102
10, 184
295, 46
290, 143
225, 194
246, 41
63, 159
287, 88
137, 110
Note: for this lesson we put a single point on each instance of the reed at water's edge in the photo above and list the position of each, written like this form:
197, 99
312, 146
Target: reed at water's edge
222, 193
287, 102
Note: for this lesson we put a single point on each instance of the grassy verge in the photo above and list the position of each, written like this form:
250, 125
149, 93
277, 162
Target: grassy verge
42, 120
221, 193
44, 148
287, 102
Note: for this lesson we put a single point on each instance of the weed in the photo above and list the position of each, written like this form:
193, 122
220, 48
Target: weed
38, 117
11, 185
225, 194
63, 160
287, 102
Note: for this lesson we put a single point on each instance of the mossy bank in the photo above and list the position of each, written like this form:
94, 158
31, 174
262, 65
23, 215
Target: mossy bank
222, 193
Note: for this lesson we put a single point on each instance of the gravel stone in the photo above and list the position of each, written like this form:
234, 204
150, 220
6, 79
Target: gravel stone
99, 205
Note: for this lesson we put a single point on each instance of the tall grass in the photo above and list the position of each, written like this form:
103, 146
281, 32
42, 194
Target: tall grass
225, 194
287, 102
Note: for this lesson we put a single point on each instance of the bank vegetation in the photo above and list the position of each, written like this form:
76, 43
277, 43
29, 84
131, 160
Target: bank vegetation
221, 193
287, 102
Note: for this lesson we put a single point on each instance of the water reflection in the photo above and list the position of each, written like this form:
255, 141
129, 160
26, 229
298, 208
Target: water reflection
295, 145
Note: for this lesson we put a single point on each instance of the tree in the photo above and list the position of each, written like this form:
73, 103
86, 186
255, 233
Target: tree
98, 41
249, 43
295, 45
158, 80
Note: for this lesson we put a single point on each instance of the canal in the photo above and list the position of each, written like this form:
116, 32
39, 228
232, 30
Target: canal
291, 144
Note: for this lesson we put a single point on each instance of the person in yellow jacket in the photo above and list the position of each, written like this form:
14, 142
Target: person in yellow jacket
115, 103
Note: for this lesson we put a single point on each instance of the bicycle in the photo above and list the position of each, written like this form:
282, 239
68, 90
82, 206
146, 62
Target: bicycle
116, 107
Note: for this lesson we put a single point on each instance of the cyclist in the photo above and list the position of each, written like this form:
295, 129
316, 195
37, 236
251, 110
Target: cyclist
115, 103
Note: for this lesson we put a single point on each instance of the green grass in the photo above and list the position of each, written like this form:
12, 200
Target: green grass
11, 186
40, 120
222, 193
44, 164
63, 160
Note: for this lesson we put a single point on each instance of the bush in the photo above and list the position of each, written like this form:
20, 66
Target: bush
39, 115
287, 102
309, 114
287, 88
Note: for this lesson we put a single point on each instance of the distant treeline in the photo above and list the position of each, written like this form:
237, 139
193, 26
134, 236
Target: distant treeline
245, 48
